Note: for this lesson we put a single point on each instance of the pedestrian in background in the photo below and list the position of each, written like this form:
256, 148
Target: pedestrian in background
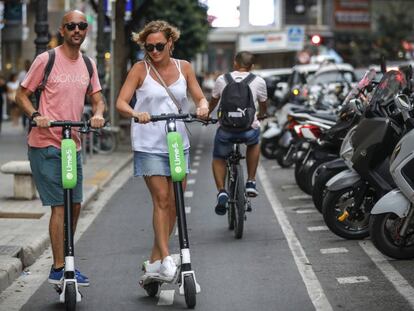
149, 139
14, 110
62, 99
20, 77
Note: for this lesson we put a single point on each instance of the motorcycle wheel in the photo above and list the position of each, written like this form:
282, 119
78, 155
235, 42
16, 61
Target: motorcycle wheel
355, 224
384, 230
300, 178
269, 147
319, 186
281, 159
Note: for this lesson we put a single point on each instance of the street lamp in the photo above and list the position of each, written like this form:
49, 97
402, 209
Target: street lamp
41, 27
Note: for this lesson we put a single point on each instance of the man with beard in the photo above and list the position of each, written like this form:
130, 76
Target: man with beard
62, 98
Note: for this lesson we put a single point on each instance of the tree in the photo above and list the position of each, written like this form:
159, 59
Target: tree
189, 16
393, 26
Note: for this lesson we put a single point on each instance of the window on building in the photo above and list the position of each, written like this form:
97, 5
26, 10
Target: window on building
261, 12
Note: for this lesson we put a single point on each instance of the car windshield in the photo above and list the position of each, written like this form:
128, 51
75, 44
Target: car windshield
333, 77
390, 85
364, 82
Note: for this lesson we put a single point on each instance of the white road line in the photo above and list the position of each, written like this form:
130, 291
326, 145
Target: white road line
176, 231
193, 171
188, 209
200, 146
299, 206
318, 228
286, 187
275, 167
188, 194
199, 151
196, 163
312, 284
353, 279
382, 263
306, 211
300, 197
197, 157
334, 250
166, 298
191, 181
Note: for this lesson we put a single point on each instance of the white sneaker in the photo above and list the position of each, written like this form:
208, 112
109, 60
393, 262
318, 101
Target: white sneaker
151, 268
168, 268
177, 259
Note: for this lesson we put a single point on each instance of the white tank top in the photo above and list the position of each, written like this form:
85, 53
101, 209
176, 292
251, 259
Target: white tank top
154, 99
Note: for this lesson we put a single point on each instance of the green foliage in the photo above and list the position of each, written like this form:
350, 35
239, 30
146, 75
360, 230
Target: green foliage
188, 16
393, 26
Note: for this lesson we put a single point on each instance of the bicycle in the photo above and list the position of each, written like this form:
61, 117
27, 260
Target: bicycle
68, 291
238, 203
185, 276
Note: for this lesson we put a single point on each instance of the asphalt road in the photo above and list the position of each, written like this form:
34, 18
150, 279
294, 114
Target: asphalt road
287, 259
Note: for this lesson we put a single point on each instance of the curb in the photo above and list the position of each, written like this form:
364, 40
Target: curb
11, 267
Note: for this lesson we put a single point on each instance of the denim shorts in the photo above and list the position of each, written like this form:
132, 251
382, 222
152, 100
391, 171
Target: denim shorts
47, 174
223, 142
155, 164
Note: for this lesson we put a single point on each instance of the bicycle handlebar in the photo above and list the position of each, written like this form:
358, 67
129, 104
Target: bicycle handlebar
185, 117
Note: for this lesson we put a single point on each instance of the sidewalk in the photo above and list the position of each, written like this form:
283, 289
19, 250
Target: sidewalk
24, 223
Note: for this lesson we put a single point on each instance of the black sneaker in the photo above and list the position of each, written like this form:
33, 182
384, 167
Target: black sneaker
222, 199
251, 190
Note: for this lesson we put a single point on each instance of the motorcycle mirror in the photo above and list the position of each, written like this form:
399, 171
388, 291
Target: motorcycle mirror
402, 101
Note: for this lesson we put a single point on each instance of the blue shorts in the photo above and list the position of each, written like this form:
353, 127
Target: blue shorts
223, 142
47, 174
155, 164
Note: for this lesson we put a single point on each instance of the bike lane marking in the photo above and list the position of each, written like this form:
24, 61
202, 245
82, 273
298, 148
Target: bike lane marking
191, 182
317, 228
353, 279
306, 211
314, 288
396, 279
334, 250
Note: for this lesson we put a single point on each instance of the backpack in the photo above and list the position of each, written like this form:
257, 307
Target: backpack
46, 73
48, 69
237, 110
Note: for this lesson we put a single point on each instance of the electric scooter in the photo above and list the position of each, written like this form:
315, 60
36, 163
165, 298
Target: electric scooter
68, 290
185, 275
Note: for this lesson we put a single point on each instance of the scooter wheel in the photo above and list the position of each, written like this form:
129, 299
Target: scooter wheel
70, 296
190, 291
152, 288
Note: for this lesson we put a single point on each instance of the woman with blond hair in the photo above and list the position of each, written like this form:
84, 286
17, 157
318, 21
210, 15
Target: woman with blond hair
149, 139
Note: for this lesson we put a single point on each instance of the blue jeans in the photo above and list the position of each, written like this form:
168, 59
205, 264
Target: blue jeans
223, 141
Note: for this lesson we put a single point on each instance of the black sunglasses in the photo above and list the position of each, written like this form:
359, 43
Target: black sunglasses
158, 46
72, 26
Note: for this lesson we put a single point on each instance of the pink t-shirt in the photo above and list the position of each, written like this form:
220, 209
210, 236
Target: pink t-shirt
63, 97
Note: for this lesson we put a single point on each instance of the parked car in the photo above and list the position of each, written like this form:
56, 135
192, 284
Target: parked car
276, 83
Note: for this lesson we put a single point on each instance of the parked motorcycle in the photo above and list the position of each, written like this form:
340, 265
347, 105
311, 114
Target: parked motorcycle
352, 193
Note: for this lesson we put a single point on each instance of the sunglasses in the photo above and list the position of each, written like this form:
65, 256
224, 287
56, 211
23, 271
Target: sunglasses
158, 46
72, 26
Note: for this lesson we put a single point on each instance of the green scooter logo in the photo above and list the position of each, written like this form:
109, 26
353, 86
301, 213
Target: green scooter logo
69, 165
176, 155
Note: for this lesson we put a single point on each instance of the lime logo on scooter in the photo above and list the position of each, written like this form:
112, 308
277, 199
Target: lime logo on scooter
176, 154
69, 165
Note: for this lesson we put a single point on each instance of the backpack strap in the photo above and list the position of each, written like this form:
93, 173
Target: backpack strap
249, 78
46, 73
89, 66
228, 78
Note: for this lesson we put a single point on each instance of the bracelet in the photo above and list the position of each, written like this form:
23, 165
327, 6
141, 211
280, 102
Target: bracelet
34, 115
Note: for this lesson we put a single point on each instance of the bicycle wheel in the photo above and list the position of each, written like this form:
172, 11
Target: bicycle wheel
230, 185
240, 202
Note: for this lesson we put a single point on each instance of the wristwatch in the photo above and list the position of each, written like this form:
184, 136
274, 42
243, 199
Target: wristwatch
34, 115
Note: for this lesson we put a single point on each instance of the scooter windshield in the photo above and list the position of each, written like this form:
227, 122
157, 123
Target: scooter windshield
363, 83
390, 85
